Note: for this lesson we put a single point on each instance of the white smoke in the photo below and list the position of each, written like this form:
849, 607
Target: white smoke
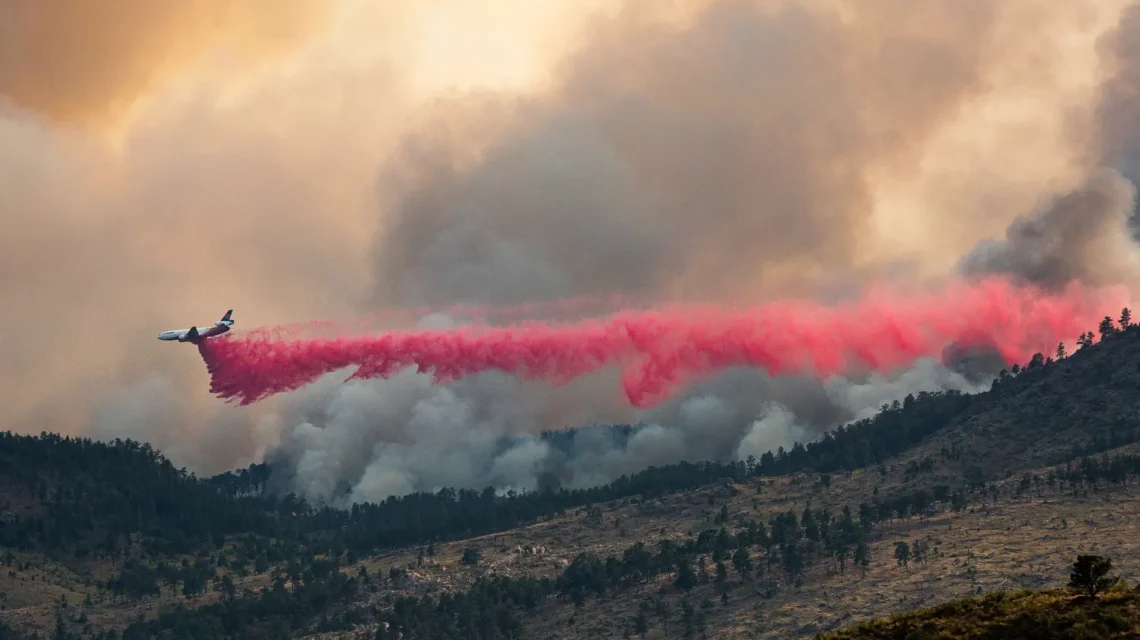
370, 439
1083, 235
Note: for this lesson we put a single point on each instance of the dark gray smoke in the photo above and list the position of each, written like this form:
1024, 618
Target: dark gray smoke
976, 363
1118, 116
1080, 235
1088, 233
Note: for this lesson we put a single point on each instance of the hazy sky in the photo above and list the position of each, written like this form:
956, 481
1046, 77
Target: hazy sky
163, 162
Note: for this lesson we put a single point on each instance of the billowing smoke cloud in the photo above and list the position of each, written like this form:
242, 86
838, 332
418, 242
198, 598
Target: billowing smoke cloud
726, 154
712, 149
1087, 233
1080, 235
1119, 110
374, 439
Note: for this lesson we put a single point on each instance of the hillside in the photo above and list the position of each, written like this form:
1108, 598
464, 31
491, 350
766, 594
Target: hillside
109, 539
1023, 614
1047, 413
90, 496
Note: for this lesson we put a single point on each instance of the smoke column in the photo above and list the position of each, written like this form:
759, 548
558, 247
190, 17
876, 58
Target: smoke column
660, 350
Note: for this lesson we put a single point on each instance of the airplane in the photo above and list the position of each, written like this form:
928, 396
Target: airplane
194, 335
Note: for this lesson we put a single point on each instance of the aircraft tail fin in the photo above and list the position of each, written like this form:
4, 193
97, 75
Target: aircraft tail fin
226, 318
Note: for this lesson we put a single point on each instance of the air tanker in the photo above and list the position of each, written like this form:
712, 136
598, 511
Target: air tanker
194, 335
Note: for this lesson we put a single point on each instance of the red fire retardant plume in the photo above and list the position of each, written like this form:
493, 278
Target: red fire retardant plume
660, 350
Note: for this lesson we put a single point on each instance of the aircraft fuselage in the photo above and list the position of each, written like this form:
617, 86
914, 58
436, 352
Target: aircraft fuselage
194, 335
183, 335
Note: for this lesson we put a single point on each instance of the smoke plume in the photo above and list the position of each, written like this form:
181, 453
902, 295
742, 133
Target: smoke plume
160, 165
1119, 110
1082, 235
725, 156
378, 438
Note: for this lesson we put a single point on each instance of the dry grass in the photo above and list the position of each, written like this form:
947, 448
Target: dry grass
1014, 546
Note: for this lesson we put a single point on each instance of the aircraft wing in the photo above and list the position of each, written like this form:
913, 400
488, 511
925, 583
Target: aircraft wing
192, 333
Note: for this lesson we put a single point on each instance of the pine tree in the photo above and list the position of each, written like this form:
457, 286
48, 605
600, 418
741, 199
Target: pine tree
721, 545
688, 617
1106, 328
902, 554
1090, 574
641, 623
662, 609
743, 563
686, 578
1085, 341
919, 551
863, 558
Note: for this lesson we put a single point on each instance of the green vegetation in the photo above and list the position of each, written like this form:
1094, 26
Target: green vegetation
1007, 616
95, 498
1090, 575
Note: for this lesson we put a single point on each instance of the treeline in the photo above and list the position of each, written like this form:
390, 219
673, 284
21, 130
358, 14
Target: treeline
298, 596
245, 555
1087, 473
94, 496
784, 549
100, 498
322, 601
